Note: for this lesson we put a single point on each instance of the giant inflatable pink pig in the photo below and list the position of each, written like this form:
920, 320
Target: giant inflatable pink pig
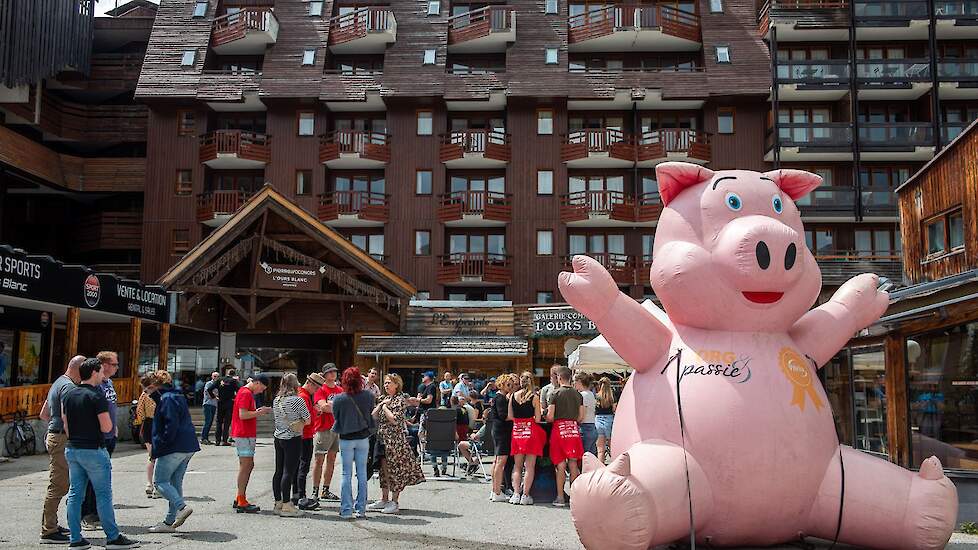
738, 348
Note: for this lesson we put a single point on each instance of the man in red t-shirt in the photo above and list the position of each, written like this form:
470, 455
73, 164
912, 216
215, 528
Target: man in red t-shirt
326, 442
313, 382
244, 430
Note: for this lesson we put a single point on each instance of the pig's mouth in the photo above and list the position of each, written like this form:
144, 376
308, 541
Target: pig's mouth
763, 297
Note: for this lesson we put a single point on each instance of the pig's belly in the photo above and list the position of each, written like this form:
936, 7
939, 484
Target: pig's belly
763, 454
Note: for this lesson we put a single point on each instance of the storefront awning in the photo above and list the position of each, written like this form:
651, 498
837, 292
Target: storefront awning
443, 346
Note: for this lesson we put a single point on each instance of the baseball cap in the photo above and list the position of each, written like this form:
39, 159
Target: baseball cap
329, 367
464, 375
261, 379
429, 374
316, 378
492, 378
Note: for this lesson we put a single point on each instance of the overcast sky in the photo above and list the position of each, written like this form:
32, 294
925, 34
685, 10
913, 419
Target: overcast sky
102, 6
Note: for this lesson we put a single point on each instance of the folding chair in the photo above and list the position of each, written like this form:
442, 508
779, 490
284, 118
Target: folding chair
438, 436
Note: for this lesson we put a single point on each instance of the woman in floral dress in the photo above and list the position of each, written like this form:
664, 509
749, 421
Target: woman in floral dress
398, 466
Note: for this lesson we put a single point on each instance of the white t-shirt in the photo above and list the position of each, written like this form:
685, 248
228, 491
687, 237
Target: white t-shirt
590, 402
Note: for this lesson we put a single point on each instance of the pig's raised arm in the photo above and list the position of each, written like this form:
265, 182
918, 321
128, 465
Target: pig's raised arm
638, 337
823, 331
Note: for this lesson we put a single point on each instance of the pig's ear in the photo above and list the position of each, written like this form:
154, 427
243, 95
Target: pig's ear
795, 183
673, 177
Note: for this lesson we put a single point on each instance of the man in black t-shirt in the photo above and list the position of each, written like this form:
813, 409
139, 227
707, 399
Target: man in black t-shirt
427, 393
226, 391
85, 410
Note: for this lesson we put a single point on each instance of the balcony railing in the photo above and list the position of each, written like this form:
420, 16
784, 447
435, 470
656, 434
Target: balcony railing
604, 21
582, 205
359, 23
212, 204
365, 205
951, 130
828, 200
643, 267
895, 134
825, 71
957, 70
620, 266
656, 144
481, 23
243, 145
233, 26
812, 134
889, 10
838, 266
891, 71
368, 145
580, 144
474, 267
955, 9
490, 144
879, 201
823, 11
648, 206
489, 205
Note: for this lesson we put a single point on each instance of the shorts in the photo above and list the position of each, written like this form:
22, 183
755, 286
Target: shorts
146, 431
325, 442
604, 423
501, 439
565, 441
528, 438
245, 446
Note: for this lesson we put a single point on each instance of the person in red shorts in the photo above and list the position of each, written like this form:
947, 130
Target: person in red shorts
313, 382
326, 442
244, 430
566, 410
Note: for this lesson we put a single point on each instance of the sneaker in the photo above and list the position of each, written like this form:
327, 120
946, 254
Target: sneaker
162, 527
289, 511
55, 538
150, 488
248, 509
473, 468
559, 503
328, 495
182, 515
497, 497
64, 530
308, 504
154, 494
90, 525
360, 515
515, 499
121, 543
508, 492
206, 442
350, 516
526, 500
277, 508
391, 508
82, 544
444, 470
437, 473
377, 505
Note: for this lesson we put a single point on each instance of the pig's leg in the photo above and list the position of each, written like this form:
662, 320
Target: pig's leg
640, 500
886, 506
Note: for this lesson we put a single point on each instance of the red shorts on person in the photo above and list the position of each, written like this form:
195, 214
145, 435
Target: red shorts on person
528, 438
565, 441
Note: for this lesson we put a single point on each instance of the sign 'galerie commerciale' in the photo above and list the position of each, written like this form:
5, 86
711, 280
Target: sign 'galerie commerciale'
560, 322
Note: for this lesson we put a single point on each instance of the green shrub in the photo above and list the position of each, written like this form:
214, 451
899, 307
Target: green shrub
969, 528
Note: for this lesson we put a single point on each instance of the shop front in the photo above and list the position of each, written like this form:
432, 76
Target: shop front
556, 332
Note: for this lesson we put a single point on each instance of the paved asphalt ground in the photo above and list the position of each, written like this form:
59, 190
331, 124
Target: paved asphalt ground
434, 515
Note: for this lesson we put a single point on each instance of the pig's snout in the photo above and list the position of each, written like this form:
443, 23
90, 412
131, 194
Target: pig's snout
763, 254
758, 246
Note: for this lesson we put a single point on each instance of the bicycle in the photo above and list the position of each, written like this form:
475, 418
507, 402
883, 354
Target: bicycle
19, 437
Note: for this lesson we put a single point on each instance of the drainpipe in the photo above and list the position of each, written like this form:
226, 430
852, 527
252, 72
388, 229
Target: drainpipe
773, 49
935, 100
854, 113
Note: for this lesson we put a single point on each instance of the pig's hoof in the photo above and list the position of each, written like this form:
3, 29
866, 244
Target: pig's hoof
610, 510
933, 508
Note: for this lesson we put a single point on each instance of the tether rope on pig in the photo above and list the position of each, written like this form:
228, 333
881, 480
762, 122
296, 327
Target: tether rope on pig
682, 431
842, 469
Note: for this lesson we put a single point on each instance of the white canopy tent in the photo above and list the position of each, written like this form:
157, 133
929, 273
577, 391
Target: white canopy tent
597, 355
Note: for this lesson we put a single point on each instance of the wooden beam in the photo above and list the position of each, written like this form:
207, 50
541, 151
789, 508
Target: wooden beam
71, 333
290, 237
269, 309
295, 295
164, 346
897, 409
236, 307
394, 319
135, 332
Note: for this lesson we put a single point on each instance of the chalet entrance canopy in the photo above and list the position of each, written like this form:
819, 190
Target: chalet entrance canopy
44, 279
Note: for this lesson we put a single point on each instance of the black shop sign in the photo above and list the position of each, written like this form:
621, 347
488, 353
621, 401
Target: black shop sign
45, 279
560, 322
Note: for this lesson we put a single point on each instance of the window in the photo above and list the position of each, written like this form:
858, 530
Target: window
422, 295
725, 120
371, 244
303, 182
716, 6
200, 9
545, 122
429, 57
434, 7
180, 241
308, 57
425, 126
545, 297
944, 233
545, 182
307, 123
422, 182
545, 242
315, 8
955, 230
422, 243
188, 58
723, 54
550, 6
551, 58
185, 183
186, 123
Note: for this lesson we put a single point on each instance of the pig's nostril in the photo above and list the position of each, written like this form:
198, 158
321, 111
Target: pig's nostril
763, 255
789, 256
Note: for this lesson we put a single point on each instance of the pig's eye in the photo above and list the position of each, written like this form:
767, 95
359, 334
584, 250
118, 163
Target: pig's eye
777, 204
733, 201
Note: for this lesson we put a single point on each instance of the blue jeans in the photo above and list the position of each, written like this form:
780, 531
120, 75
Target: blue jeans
354, 450
168, 478
589, 437
209, 412
93, 465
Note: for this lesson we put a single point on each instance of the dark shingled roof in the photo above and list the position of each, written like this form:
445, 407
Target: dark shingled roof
501, 346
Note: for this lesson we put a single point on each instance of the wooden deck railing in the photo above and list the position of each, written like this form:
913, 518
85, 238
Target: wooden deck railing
23, 398
620, 266
354, 141
356, 24
233, 26
365, 203
462, 266
246, 145
219, 203
491, 205
604, 21
479, 23
659, 143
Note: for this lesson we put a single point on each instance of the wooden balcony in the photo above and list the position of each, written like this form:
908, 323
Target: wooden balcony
352, 149
354, 209
246, 32
485, 30
624, 28
838, 266
235, 150
598, 148
108, 72
474, 268
475, 149
799, 20
364, 31
475, 209
643, 266
620, 266
666, 144
597, 209
648, 206
71, 121
215, 207
109, 231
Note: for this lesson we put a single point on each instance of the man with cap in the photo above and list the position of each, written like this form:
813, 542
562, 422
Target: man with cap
326, 442
313, 382
490, 390
244, 430
463, 387
427, 393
